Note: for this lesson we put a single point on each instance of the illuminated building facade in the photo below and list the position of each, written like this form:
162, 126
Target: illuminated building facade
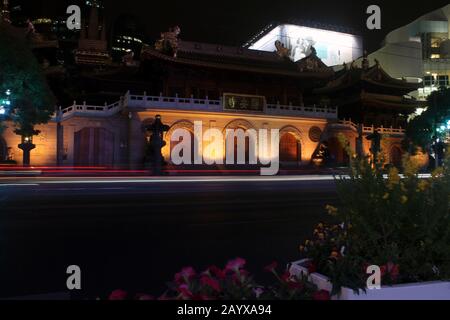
333, 45
223, 87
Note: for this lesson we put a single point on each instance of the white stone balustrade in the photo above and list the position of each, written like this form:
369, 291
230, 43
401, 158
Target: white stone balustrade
189, 104
370, 130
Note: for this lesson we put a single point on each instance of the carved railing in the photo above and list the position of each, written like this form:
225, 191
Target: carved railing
302, 111
172, 103
192, 104
176, 103
370, 130
89, 110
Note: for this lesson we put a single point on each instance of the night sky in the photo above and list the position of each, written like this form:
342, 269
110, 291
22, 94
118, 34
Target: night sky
233, 22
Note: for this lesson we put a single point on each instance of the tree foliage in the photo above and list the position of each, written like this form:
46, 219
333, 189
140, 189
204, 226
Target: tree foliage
421, 129
32, 101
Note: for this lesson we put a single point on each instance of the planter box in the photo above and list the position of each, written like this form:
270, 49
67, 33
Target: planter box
419, 291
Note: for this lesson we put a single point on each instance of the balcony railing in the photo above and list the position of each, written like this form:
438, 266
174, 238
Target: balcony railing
172, 103
90, 110
207, 105
370, 130
176, 103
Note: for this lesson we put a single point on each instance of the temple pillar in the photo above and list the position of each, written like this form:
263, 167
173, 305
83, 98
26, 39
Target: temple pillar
136, 142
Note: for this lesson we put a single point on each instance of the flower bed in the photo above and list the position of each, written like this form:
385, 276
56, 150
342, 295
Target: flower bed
232, 283
398, 223
437, 290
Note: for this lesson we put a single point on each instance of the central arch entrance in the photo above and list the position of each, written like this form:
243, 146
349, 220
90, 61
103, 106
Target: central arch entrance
250, 144
290, 149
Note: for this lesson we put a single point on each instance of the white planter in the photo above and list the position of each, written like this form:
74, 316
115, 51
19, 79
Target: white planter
419, 291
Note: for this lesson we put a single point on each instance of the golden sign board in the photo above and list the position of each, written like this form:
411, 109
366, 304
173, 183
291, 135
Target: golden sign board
240, 102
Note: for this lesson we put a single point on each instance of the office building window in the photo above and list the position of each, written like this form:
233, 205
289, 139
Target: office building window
443, 81
428, 81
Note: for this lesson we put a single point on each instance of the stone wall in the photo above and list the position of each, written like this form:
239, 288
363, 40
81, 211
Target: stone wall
45, 153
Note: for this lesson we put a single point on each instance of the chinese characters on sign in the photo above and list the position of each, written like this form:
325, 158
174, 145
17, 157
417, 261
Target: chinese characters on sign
236, 102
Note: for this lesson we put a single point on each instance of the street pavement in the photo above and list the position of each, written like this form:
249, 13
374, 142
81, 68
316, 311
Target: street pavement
134, 233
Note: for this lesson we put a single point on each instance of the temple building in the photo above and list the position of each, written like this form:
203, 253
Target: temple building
368, 100
224, 87
368, 95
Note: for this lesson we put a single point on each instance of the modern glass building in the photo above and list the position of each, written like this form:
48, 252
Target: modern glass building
419, 51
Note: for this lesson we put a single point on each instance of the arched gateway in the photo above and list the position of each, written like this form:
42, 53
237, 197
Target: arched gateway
290, 146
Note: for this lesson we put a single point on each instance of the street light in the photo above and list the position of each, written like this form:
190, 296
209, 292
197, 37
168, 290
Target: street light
26, 146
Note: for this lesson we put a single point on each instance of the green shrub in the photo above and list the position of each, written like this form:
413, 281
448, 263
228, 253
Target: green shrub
398, 222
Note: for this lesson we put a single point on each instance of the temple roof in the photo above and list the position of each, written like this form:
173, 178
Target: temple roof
402, 104
375, 76
239, 59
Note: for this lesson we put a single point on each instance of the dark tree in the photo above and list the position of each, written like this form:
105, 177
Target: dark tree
32, 102
422, 129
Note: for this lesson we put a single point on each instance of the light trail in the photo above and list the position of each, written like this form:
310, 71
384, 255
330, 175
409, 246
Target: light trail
173, 180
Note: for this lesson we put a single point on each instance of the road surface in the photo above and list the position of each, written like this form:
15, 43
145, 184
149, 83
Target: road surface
135, 233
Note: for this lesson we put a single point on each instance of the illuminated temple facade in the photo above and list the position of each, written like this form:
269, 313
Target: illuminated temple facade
225, 88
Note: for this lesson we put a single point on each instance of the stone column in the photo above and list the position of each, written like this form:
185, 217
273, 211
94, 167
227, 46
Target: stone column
59, 144
136, 142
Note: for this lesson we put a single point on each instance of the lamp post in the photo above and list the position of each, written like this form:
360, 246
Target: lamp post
26, 146
156, 143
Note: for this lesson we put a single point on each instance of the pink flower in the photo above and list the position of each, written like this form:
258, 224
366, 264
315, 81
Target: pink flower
217, 272
291, 283
185, 275
286, 277
312, 267
208, 281
321, 295
185, 292
235, 265
393, 270
188, 273
271, 268
294, 285
118, 295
